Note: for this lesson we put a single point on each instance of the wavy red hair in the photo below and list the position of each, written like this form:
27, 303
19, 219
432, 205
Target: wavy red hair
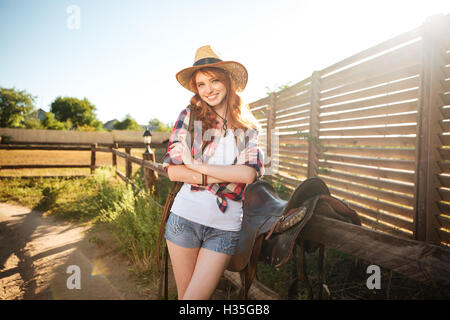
240, 114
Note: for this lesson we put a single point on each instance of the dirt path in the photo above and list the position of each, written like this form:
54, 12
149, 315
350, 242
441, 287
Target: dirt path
36, 252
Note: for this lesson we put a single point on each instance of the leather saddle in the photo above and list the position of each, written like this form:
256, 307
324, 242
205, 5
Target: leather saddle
271, 225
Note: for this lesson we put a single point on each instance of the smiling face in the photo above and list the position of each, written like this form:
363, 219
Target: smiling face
210, 89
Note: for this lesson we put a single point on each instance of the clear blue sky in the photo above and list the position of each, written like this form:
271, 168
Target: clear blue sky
125, 54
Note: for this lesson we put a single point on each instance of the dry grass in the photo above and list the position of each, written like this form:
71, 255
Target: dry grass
12, 157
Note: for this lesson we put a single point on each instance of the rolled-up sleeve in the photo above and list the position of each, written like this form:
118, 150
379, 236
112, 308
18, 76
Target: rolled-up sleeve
179, 133
252, 155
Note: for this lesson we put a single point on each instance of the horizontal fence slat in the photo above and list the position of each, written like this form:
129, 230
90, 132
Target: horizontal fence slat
292, 169
296, 88
445, 194
445, 153
375, 141
444, 179
292, 117
369, 171
259, 103
444, 207
445, 139
369, 81
299, 121
294, 140
374, 120
381, 89
405, 56
362, 190
373, 203
444, 236
446, 98
371, 131
379, 216
383, 227
291, 111
293, 157
445, 111
445, 125
396, 153
293, 101
446, 85
395, 186
302, 149
445, 221
372, 111
385, 99
371, 161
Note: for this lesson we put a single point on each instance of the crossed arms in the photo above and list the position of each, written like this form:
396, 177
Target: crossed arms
192, 173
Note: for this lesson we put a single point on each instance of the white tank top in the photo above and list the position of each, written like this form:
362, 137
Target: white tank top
201, 206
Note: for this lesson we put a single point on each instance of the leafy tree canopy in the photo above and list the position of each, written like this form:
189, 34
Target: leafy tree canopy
80, 112
49, 122
14, 107
158, 126
127, 124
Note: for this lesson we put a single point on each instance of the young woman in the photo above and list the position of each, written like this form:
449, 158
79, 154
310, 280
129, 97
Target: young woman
202, 230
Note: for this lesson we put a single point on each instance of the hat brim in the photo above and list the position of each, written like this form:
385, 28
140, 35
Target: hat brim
237, 71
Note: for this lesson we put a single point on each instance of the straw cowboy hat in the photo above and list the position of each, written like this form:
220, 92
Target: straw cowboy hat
206, 57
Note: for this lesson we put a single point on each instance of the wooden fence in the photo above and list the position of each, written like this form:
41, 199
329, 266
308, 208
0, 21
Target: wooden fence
376, 128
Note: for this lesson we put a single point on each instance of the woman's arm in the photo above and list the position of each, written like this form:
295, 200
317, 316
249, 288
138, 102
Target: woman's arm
239, 173
183, 174
230, 173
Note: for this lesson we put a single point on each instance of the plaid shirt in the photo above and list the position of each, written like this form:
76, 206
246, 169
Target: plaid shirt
248, 154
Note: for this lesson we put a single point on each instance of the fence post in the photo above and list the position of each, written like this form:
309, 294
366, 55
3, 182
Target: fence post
114, 156
429, 129
93, 149
128, 168
150, 176
313, 138
271, 109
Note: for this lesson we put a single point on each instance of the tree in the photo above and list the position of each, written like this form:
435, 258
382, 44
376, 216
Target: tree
14, 107
50, 122
80, 112
127, 124
158, 126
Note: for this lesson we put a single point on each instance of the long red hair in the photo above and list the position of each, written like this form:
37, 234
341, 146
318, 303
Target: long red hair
239, 113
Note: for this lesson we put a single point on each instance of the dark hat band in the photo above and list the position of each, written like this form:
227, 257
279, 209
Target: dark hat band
205, 61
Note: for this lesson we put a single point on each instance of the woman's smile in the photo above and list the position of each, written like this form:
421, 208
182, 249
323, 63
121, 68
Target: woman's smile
210, 89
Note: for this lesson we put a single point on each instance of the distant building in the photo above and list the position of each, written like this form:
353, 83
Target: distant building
109, 125
41, 114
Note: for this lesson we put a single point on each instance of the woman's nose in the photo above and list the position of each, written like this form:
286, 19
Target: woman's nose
209, 87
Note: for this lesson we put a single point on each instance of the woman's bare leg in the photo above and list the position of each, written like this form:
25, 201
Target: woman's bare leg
207, 273
183, 265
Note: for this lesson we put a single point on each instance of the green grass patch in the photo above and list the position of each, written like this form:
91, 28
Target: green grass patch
131, 216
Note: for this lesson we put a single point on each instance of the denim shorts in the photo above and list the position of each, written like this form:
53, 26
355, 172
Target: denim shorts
189, 234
